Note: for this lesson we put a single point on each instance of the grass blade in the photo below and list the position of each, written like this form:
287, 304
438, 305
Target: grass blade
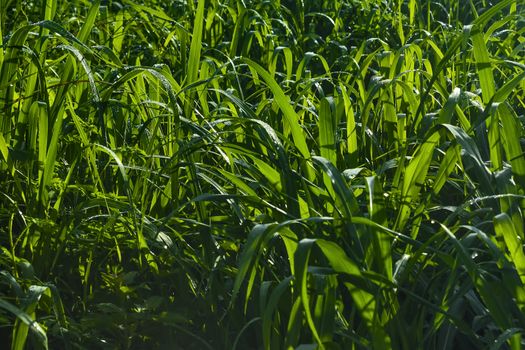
290, 117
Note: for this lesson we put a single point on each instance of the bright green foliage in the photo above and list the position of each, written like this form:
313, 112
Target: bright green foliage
248, 174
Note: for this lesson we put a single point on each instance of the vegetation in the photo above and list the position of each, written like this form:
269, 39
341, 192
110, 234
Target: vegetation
242, 174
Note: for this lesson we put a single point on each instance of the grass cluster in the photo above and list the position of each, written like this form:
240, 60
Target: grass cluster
244, 174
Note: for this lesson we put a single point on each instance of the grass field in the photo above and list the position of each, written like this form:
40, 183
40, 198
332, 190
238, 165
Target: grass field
248, 174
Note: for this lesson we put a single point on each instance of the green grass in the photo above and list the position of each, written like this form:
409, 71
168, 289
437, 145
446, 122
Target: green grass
229, 174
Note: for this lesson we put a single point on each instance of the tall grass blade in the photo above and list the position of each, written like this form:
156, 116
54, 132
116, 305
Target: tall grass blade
505, 229
327, 127
196, 45
290, 116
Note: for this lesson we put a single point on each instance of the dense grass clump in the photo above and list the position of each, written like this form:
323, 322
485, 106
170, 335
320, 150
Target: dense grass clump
243, 174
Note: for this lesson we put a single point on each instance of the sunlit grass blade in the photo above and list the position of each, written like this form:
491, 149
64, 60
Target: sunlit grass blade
89, 21
414, 178
29, 322
382, 253
505, 229
327, 126
196, 45
283, 101
3, 148
446, 114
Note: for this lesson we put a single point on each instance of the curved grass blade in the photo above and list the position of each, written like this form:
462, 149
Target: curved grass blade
496, 299
28, 321
290, 116
270, 307
248, 257
339, 261
447, 112
302, 256
345, 196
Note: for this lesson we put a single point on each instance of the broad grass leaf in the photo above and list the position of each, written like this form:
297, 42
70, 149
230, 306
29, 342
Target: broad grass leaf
196, 44
327, 128
414, 178
505, 229
381, 253
89, 21
351, 128
3, 148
